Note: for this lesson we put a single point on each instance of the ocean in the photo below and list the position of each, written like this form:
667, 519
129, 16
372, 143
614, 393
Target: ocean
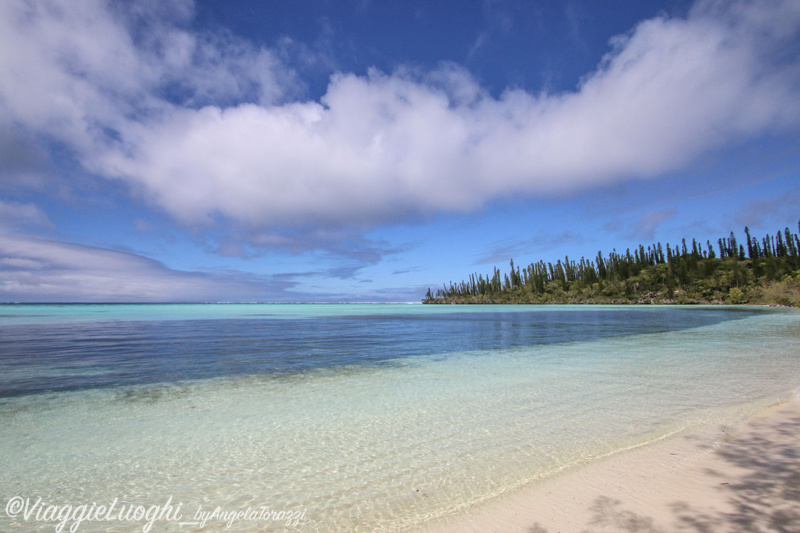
350, 417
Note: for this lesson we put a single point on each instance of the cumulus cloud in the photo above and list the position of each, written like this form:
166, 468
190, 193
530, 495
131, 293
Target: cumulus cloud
84, 72
34, 270
205, 127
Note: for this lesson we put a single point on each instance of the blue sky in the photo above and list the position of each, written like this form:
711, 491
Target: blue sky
357, 150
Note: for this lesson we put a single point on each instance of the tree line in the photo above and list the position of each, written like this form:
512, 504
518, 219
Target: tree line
762, 270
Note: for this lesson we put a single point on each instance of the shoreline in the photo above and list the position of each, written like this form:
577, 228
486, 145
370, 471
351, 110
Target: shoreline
741, 479
647, 303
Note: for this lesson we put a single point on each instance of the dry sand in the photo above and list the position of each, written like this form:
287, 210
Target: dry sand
745, 480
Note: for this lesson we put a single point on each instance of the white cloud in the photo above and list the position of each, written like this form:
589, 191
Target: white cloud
34, 270
79, 72
203, 128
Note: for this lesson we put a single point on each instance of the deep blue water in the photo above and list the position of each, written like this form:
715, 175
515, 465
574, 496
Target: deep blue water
61, 354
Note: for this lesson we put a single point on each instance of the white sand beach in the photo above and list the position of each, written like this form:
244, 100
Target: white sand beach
742, 480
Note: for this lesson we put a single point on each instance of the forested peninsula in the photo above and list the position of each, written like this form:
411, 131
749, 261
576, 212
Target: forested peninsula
763, 271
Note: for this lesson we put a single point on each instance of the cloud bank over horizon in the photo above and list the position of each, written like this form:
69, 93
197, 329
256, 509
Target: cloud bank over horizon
41, 270
208, 127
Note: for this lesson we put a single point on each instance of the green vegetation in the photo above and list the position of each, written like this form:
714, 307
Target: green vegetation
765, 272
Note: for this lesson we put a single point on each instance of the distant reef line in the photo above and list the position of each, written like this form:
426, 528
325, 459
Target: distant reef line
763, 271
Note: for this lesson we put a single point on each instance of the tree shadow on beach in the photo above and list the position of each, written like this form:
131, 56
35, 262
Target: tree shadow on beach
767, 496
764, 495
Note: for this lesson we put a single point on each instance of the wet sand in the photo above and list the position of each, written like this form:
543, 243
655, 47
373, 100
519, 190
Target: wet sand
739, 480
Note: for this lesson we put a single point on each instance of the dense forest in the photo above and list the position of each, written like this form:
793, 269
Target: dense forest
753, 271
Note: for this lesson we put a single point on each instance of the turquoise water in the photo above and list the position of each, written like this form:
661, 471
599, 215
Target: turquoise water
355, 418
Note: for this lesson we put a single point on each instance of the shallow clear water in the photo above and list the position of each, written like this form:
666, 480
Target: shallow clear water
365, 417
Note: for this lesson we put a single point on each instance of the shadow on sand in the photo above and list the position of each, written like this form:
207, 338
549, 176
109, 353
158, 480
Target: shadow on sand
764, 494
